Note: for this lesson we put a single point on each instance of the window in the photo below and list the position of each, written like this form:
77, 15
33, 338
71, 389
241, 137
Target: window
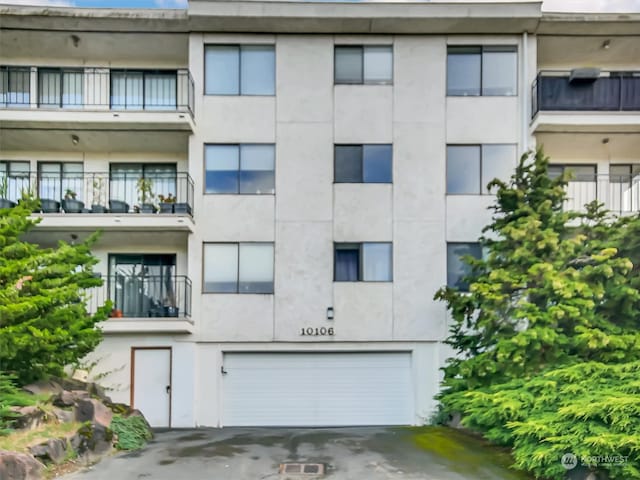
623, 185
240, 70
238, 268
136, 90
60, 87
471, 167
127, 179
15, 86
244, 169
578, 173
363, 64
362, 163
56, 180
142, 286
490, 70
14, 179
457, 269
363, 262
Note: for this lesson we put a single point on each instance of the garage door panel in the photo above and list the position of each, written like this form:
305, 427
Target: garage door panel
287, 389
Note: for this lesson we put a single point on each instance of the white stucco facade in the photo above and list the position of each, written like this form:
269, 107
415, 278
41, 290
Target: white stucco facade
305, 117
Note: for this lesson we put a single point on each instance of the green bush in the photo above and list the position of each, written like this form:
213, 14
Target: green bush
10, 396
133, 432
589, 409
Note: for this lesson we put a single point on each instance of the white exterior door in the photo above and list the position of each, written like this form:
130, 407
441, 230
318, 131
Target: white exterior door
317, 389
152, 384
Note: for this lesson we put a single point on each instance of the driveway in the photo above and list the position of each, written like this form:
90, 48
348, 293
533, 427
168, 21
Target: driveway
372, 453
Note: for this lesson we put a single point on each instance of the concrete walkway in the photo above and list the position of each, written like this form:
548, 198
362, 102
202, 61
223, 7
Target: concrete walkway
349, 454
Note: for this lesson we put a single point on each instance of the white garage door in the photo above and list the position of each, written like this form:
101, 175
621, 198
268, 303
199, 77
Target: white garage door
317, 389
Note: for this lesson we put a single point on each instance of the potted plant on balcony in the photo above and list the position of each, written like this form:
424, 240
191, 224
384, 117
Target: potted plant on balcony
70, 204
96, 199
4, 201
166, 203
48, 205
145, 196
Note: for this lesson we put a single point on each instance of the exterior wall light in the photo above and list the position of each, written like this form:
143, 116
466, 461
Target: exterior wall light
75, 139
330, 313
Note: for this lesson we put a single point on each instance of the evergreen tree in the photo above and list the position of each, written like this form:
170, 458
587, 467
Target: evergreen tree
546, 340
552, 289
44, 323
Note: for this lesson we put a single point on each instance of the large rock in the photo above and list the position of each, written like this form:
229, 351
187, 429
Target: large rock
44, 387
92, 442
19, 466
30, 417
53, 450
92, 410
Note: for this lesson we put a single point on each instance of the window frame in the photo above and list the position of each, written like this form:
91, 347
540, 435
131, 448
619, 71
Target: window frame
7, 72
61, 71
238, 145
482, 255
237, 291
489, 48
60, 179
8, 173
362, 48
483, 183
144, 73
360, 247
362, 162
239, 47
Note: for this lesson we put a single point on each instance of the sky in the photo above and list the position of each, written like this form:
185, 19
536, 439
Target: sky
548, 5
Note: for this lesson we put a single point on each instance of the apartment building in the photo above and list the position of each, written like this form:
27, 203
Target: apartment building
282, 186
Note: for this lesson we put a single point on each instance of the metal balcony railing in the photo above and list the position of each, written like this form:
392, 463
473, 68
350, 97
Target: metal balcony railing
96, 89
144, 296
115, 192
619, 193
610, 91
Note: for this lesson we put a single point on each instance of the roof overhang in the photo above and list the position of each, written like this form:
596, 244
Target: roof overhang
364, 17
610, 24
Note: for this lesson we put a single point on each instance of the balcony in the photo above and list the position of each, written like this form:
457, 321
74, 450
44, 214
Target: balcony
111, 98
619, 193
118, 200
586, 100
145, 303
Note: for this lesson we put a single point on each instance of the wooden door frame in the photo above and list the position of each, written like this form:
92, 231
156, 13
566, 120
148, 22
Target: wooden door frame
133, 375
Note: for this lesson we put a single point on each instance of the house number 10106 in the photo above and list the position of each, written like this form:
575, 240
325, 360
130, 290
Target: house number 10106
317, 332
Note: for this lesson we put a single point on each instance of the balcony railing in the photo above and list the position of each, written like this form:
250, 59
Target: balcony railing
619, 193
115, 192
609, 91
150, 296
96, 89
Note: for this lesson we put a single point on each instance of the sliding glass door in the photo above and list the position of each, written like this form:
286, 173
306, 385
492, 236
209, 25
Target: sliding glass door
138, 90
142, 286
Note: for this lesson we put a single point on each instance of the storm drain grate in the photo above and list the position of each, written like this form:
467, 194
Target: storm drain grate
302, 468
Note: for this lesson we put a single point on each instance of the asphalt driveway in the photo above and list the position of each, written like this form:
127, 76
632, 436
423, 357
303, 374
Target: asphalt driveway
348, 454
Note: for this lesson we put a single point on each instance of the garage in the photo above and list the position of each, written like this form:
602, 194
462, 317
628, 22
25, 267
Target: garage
317, 389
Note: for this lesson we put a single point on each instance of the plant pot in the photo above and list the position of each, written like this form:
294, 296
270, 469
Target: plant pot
4, 203
49, 206
98, 209
166, 207
118, 206
147, 208
171, 311
182, 208
72, 205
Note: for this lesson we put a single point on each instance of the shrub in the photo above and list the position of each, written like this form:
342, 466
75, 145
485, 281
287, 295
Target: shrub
589, 409
10, 396
133, 432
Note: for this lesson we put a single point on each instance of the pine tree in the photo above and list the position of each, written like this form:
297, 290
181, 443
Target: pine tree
552, 289
546, 340
44, 323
